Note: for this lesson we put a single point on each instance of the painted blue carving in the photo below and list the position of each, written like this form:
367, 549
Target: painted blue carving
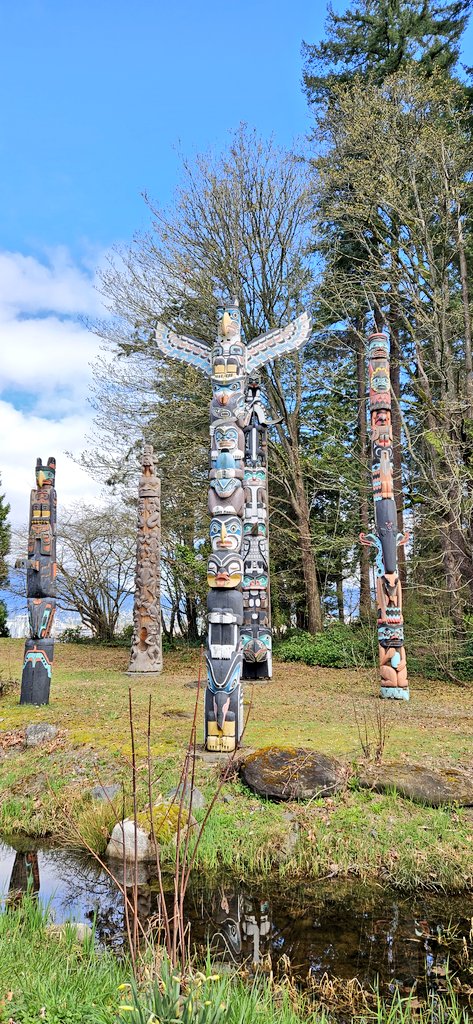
187, 350
278, 342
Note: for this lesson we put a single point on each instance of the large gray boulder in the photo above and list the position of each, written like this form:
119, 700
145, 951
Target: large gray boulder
102, 792
424, 785
198, 798
122, 843
40, 732
289, 773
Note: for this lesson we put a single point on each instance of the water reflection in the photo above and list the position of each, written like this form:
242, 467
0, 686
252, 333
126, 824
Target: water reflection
24, 875
339, 928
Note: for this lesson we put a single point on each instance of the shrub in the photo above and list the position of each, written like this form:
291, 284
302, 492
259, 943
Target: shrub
338, 646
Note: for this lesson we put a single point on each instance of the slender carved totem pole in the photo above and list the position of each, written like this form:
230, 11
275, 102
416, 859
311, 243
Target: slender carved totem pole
239, 631
146, 648
40, 586
386, 539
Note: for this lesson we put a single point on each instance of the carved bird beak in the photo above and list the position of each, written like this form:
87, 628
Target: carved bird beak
225, 323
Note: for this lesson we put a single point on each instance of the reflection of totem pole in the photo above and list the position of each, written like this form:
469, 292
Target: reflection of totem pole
25, 874
146, 651
238, 622
40, 587
392, 656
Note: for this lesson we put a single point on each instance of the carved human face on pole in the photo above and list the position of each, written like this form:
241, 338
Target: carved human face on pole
226, 533
224, 570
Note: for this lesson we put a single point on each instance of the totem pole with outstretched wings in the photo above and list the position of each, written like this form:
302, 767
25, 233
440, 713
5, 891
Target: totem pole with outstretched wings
239, 624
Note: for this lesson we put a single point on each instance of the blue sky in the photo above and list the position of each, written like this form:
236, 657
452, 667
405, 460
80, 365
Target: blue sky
97, 99
98, 96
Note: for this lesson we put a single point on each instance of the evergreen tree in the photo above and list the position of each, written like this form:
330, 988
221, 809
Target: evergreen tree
376, 38
4, 549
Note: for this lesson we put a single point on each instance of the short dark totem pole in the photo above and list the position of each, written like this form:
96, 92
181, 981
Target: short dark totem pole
146, 648
40, 586
385, 539
239, 631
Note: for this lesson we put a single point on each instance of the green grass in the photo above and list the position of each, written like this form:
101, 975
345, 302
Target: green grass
356, 834
55, 978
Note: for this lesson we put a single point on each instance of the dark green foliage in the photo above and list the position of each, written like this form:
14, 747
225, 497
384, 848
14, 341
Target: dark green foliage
339, 646
4, 630
5, 534
378, 37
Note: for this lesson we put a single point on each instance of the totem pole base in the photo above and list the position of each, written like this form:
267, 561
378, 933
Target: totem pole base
394, 692
144, 671
258, 671
221, 741
36, 677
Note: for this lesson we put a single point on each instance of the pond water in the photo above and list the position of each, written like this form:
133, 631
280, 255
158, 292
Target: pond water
344, 929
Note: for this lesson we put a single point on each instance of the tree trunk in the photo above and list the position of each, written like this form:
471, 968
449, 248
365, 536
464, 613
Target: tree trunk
365, 483
192, 624
339, 592
453, 580
312, 592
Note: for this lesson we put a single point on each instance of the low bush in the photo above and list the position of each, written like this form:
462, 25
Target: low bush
338, 646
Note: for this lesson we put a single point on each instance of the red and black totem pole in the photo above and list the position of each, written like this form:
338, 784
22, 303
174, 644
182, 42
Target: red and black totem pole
40, 586
385, 539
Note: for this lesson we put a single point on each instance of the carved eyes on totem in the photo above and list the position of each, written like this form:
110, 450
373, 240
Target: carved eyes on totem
226, 438
260, 529
258, 475
234, 387
226, 368
258, 582
224, 571
222, 529
380, 380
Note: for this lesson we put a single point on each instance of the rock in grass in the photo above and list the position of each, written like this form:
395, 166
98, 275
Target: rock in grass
289, 773
40, 732
122, 843
80, 930
105, 792
198, 798
426, 786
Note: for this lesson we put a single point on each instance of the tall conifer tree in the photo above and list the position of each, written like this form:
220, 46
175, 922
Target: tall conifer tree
378, 37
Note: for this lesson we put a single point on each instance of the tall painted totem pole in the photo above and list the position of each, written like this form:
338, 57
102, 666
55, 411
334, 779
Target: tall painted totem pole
239, 629
146, 648
40, 586
385, 539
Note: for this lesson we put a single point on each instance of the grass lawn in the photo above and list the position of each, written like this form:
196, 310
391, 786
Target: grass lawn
356, 833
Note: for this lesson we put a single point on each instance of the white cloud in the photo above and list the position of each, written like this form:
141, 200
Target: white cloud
45, 374
41, 356
29, 286
25, 437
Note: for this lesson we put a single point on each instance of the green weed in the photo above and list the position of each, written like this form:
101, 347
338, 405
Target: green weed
53, 977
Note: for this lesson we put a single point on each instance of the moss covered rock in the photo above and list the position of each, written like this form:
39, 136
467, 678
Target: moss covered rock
424, 785
292, 773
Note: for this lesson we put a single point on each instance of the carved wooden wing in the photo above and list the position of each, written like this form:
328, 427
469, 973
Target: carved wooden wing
188, 350
278, 342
